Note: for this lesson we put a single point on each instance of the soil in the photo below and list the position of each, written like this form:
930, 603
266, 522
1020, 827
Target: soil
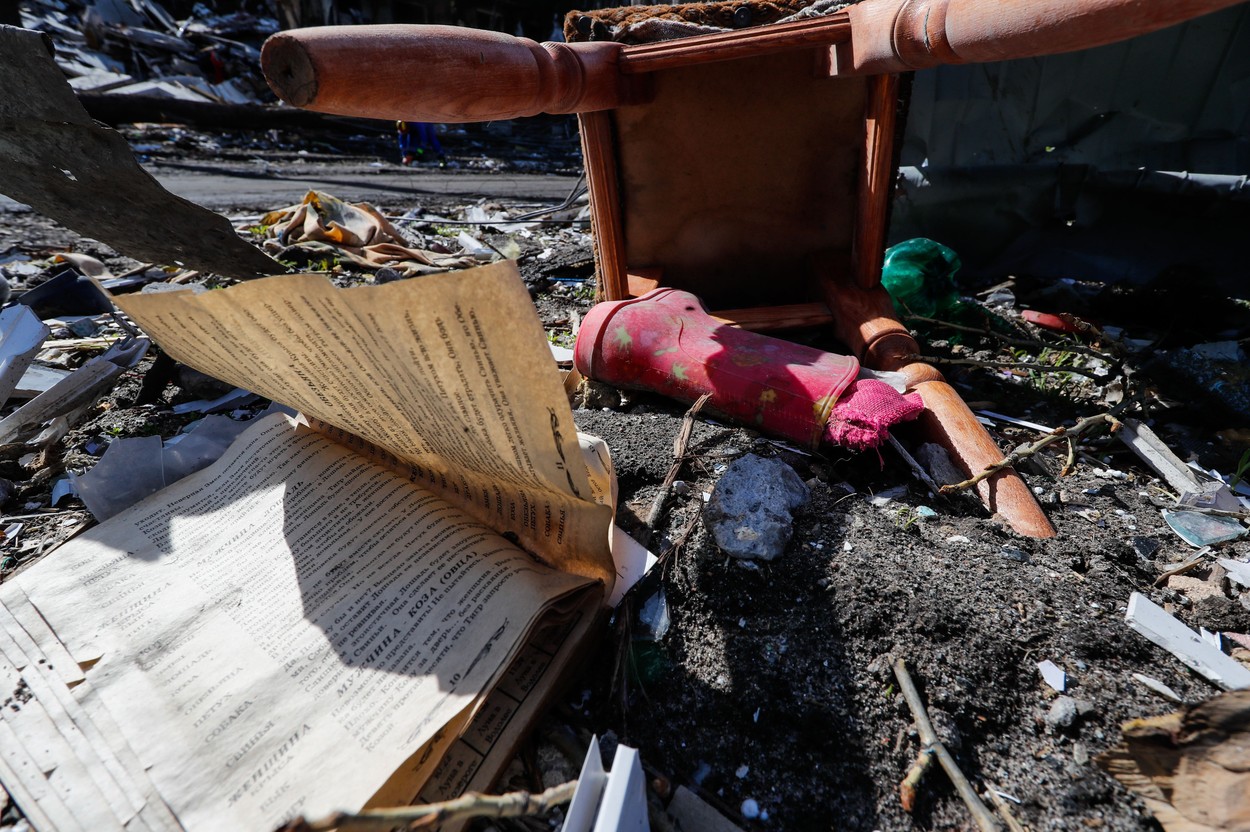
773, 683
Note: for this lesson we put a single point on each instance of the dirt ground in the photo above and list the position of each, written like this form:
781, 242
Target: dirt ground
773, 683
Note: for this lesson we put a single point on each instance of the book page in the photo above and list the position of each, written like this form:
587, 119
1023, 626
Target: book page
279, 633
450, 373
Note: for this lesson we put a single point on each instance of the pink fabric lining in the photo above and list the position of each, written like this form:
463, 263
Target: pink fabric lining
865, 412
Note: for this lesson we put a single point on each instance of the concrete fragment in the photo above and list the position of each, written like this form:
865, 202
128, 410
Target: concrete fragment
749, 510
938, 463
1062, 713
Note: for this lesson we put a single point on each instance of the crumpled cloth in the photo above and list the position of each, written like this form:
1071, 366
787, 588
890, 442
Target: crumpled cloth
357, 232
863, 414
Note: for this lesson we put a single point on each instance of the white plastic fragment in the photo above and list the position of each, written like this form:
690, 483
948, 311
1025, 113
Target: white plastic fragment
21, 336
1053, 675
1238, 571
1158, 687
1153, 622
611, 802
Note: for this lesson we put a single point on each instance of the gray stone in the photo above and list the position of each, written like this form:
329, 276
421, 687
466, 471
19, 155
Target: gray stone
1062, 713
938, 463
749, 511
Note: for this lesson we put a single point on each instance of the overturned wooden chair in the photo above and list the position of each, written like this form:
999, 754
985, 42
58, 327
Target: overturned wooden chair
753, 168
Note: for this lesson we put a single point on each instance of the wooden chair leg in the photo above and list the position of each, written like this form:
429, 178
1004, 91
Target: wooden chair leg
864, 320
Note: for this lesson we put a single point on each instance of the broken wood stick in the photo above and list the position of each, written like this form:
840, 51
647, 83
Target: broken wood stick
1004, 811
471, 805
933, 747
916, 467
1084, 425
679, 457
1197, 560
1004, 365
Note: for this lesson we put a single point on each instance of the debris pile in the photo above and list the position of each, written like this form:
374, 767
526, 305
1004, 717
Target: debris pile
139, 48
890, 623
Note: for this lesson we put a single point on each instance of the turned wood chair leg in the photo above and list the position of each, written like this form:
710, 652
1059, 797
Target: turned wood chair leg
864, 320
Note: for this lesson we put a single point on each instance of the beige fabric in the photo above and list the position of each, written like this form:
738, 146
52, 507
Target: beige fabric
359, 233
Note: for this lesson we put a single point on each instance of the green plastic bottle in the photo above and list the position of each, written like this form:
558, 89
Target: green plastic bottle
918, 275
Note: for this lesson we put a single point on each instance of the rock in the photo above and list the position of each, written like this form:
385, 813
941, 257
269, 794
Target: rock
750, 809
595, 395
938, 463
1195, 589
1062, 713
749, 511
199, 385
1012, 553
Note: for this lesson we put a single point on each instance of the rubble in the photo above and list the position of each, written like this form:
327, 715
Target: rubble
749, 514
772, 666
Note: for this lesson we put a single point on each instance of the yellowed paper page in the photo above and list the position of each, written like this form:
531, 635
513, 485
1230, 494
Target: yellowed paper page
281, 631
450, 373
69, 686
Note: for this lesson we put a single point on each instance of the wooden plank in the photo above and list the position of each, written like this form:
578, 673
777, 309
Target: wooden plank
876, 180
770, 318
735, 174
729, 46
642, 281
599, 155
1153, 622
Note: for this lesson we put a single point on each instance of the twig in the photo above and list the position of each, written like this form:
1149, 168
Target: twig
471, 805
1002, 365
1198, 560
1086, 328
911, 783
1004, 810
1027, 451
679, 456
1071, 461
933, 746
916, 467
1015, 342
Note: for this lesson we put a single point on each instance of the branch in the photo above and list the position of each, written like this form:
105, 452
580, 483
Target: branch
1027, 451
934, 747
1002, 365
679, 456
471, 805
1004, 810
916, 467
1019, 342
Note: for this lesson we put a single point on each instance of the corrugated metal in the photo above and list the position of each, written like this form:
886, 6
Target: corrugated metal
1178, 99
1045, 166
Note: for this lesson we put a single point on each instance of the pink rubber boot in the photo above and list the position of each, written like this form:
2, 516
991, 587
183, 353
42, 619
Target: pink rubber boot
665, 342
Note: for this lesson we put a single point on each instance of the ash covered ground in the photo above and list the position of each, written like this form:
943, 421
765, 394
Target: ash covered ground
771, 692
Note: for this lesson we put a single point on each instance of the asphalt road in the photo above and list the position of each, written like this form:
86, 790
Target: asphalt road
231, 188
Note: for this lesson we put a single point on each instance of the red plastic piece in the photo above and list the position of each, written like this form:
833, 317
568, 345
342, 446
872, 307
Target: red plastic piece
1048, 321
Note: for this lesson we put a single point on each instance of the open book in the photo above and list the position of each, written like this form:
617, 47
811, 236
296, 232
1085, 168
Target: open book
362, 607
